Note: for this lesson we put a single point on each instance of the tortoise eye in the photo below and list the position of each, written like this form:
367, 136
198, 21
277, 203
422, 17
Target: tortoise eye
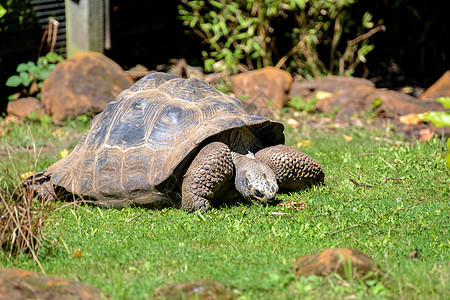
258, 194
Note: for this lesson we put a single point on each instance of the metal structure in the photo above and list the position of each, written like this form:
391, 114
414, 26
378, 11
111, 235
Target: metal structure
52, 19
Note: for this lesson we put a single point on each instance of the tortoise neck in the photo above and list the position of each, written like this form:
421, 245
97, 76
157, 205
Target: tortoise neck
242, 141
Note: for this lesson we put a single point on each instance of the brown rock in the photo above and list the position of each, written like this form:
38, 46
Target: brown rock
137, 72
85, 83
24, 107
352, 95
197, 289
20, 284
402, 104
262, 86
332, 261
440, 88
349, 100
329, 84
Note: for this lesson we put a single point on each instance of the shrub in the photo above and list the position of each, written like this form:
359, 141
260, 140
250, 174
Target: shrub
17, 15
32, 75
243, 34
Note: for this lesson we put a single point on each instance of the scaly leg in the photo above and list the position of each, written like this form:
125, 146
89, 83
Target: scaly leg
209, 171
294, 169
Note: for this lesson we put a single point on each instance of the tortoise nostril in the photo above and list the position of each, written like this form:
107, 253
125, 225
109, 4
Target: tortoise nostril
258, 194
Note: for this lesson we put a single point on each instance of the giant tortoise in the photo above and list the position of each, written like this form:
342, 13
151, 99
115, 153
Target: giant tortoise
168, 141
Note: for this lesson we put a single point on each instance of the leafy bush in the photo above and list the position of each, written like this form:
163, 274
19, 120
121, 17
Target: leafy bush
17, 15
32, 75
242, 34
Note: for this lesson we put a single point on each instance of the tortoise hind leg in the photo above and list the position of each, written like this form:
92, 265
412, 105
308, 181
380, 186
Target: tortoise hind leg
40, 185
294, 169
210, 170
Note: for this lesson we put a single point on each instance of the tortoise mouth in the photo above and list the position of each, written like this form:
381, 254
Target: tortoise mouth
256, 201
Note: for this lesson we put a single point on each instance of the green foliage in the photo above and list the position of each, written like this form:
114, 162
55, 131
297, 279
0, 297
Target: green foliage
17, 15
438, 118
32, 75
46, 120
2, 11
243, 34
301, 104
445, 101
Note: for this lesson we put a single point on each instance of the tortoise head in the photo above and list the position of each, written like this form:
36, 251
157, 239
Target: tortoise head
254, 180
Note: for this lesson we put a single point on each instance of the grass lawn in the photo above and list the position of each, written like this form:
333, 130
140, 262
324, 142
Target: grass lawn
130, 252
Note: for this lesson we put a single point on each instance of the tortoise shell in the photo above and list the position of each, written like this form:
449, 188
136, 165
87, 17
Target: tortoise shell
137, 150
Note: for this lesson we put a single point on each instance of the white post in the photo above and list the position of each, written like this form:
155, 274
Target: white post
85, 26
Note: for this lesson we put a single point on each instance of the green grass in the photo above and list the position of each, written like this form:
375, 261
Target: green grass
128, 253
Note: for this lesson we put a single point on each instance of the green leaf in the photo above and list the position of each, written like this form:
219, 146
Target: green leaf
52, 57
41, 62
216, 4
58, 58
300, 3
22, 67
46, 120
14, 81
43, 74
438, 118
209, 65
33, 70
2, 11
25, 78
366, 20
445, 101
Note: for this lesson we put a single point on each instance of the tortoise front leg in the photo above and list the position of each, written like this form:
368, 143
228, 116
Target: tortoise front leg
294, 169
209, 171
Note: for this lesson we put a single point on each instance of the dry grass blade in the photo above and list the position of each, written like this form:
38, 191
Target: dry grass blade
22, 216
21, 223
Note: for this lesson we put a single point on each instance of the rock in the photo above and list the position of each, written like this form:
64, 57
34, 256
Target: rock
197, 289
347, 93
349, 101
440, 88
20, 284
329, 84
25, 107
85, 83
402, 104
261, 86
330, 261
353, 95
137, 72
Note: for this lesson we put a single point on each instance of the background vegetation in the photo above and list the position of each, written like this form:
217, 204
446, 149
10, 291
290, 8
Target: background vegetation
254, 34
410, 51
